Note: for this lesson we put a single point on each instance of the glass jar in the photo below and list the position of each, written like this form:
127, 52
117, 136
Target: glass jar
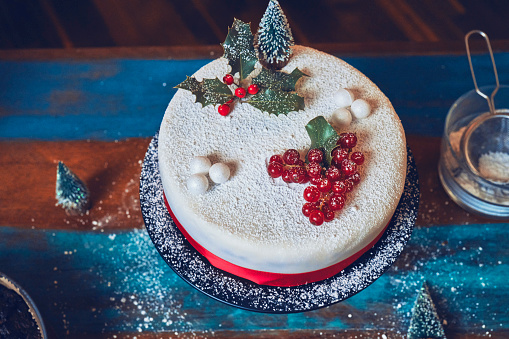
474, 161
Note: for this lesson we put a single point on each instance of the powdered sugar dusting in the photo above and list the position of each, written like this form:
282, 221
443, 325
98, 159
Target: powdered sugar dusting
253, 214
495, 166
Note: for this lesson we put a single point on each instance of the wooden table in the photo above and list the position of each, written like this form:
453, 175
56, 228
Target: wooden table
99, 276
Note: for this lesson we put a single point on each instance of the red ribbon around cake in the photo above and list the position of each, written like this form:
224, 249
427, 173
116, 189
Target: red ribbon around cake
270, 278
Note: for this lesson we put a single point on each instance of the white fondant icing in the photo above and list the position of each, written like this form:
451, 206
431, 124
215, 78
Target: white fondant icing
251, 221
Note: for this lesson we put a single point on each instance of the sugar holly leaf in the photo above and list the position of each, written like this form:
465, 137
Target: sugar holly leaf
239, 50
323, 136
208, 91
214, 92
191, 84
276, 80
276, 102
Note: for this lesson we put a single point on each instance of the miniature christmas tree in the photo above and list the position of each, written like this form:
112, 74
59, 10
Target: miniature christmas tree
425, 322
274, 38
71, 192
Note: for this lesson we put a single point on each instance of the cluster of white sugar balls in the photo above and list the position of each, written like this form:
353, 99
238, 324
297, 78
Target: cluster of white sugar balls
359, 108
200, 166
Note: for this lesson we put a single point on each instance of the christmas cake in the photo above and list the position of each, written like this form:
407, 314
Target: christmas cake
283, 171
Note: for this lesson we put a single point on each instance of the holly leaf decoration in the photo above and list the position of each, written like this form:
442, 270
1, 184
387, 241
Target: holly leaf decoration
208, 91
276, 80
239, 50
323, 136
276, 102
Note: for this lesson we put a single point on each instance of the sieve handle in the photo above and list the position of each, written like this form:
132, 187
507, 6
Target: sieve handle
490, 99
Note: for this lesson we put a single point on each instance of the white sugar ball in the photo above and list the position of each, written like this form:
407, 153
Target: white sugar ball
219, 173
200, 165
343, 98
360, 109
342, 117
197, 184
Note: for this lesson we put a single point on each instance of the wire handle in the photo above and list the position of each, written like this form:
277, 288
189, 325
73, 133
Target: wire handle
490, 99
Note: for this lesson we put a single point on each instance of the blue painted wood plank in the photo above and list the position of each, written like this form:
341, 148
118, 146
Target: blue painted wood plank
122, 98
91, 283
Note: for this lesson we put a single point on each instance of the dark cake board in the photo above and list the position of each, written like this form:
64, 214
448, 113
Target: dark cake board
235, 291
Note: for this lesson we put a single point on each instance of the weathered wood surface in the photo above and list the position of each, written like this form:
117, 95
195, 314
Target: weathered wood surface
96, 285
111, 170
99, 276
109, 99
349, 49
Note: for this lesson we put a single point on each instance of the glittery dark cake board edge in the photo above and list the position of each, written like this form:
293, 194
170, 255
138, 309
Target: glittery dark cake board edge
235, 291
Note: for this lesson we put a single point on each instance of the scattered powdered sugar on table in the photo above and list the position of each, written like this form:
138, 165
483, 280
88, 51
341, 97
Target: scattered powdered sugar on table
192, 267
494, 166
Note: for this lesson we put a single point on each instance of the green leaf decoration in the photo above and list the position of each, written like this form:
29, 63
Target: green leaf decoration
208, 91
276, 102
239, 50
323, 136
191, 84
215, 92
276, 80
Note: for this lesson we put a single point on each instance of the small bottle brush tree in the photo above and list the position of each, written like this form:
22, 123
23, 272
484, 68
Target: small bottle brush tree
425, 322
274, 38
71, 193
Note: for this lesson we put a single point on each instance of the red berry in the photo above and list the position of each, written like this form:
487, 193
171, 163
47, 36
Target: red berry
316, 217
300, 163
311, 194
291, 157
276, 158
299, 175
275, 169
316, 180
314, 170
253, 89
357, 157
315, 155
333, 174
229, 101
224, 109
324, 185
348, 167
240, 92
339, 154
228, 79
337, 202
308, 208
328, 213
286, 176
355, 178
339, 187
347, 140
